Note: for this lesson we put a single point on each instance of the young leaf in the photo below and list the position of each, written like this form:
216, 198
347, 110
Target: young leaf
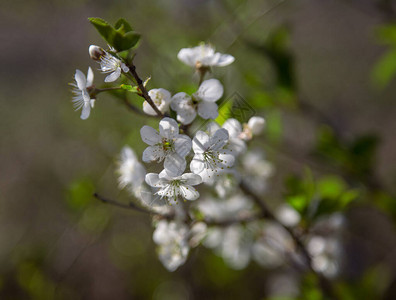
129, 88
125, 41
122, 26
104, 29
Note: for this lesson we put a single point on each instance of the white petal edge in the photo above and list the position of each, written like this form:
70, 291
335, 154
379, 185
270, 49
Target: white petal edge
149, 135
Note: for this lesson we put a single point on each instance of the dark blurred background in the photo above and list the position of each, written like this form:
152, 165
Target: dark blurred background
57, 242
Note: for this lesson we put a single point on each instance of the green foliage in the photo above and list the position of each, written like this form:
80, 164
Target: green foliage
385, 68
356, 157
79, 194
274, 125
130, 88
310, 289
225, 111
276, 49
121, 36
316, 197
371, 285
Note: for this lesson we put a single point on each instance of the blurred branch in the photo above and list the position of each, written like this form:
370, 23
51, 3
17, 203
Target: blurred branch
130, 205
325, 284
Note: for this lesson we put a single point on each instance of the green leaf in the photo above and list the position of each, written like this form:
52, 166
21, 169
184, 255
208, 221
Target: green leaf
104, 29
121, 36
298, 202
129, 88
224, 112
331, 187
384, 70
123, 26
125, 41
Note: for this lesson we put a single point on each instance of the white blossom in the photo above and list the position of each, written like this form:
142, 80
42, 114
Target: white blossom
201, 102
204, 55
287, 215
210, 157
254, 126
131, 171
273, 245
224, 209
234, 128
167, 145
171, 238
81, 98
161, 99
174, 187
108, 63
257, 170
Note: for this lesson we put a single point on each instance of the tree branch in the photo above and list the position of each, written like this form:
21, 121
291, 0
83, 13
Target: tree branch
142, 88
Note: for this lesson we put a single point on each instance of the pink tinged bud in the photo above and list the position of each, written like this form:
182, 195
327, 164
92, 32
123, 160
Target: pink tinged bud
95, 52
256, 125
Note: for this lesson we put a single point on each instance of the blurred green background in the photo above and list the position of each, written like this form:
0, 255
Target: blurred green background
57, 242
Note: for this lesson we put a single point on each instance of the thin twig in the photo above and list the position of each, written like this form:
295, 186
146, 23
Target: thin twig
136, 110
143, 90
130, 205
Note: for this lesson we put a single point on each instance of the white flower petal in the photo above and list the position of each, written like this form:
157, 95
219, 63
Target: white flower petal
86, 110
124, 68
152, 153
207, 110
90, 77
191, 179
188, 56
197, 164
85, 95
237, 146
210, 90
225, 60
227, 159
165, 177
186, 116
80, 80
182, 145
149, 135
113, 76
152, 179
208, 176
174, 164
180, 101
212, 127
168, 128
233, 127
148, 109
256, 124
201, 142
219, 139
189, 193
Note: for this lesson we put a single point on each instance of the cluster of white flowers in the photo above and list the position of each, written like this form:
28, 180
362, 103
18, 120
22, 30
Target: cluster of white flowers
215, 155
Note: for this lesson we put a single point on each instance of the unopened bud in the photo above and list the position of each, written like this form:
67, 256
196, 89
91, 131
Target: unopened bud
95, 52
256, 124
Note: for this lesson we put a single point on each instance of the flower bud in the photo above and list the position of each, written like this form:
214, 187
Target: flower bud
95, 52
256, 124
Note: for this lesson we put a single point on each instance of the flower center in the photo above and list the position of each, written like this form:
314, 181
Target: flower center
167, 145
212, 161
